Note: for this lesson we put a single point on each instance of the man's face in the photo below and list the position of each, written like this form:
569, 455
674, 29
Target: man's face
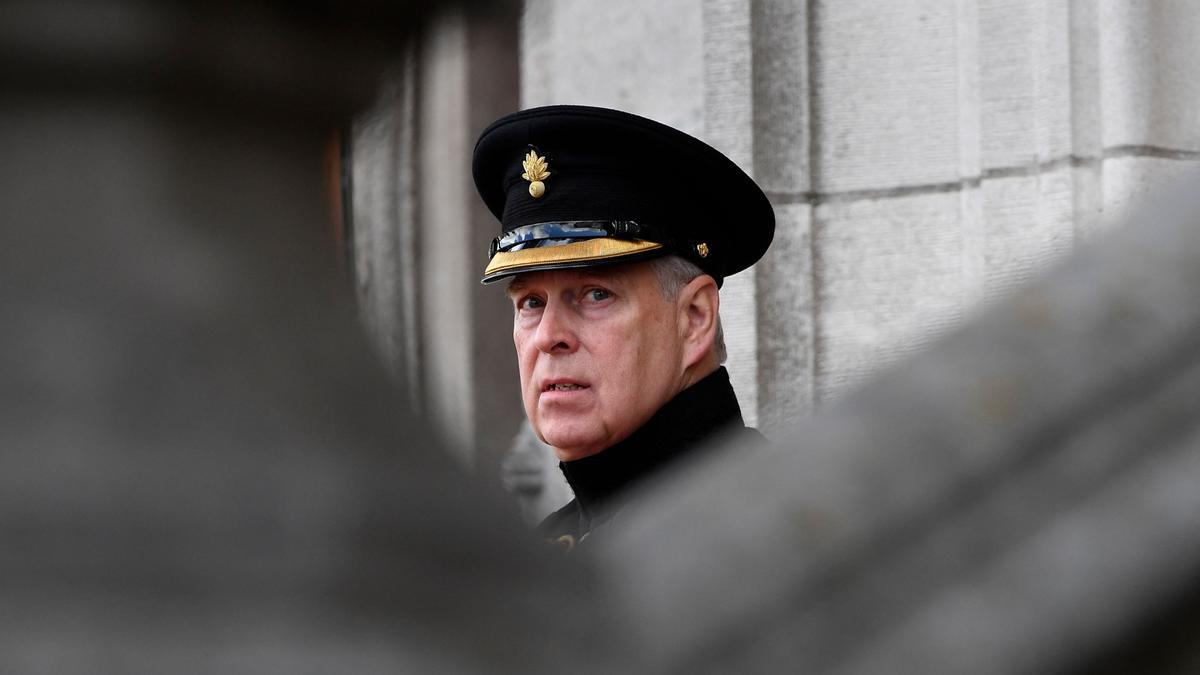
599, 350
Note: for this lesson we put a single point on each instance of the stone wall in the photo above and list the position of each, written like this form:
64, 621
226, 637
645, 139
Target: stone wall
923, 157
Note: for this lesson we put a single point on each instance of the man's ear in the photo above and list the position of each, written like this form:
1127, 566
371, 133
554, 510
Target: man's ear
699, 307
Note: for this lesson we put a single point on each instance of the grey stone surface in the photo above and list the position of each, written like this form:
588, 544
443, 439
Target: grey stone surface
1087, 118
1148, 54
779, 47
1086, 47
786, 332
967, 28
885, 94
1133, 181
728, 80
1025, 72
1028, 223
1073, 585
647, 58
888, 277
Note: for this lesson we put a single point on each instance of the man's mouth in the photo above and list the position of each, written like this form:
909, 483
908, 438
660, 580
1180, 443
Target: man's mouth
565, 386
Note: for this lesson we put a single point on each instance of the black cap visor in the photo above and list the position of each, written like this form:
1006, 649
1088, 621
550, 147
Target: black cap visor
568, 245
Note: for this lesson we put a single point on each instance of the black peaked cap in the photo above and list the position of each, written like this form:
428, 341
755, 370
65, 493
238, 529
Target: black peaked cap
655, 189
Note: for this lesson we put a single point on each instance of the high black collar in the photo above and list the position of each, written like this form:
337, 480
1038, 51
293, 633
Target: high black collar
693, 416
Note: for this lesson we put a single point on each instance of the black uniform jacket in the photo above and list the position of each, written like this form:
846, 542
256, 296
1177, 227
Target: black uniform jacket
700, 413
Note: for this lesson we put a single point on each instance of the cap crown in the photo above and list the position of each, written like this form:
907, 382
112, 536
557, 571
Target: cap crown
601, 165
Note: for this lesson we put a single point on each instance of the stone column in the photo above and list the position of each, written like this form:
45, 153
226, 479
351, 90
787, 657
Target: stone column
782, 146
422, 233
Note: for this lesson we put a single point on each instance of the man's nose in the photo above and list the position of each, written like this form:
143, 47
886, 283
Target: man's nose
555, 331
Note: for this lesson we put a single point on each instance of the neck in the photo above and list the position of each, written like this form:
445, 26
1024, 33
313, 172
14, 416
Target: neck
699, 370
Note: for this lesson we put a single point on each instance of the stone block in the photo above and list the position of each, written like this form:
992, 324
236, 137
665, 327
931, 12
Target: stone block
1088, 188
1148, 57
1027, 225
1024, 82
728, 81
1131, 182
889, 278
1086, 107
781, 89
646, 58
885, 101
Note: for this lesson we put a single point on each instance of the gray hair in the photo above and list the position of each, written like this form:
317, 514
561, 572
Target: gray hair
673, 274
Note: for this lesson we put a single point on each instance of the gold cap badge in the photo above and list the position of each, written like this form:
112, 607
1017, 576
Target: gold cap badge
536, 171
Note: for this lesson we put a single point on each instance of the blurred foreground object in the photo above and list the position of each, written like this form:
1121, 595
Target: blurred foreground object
202, 467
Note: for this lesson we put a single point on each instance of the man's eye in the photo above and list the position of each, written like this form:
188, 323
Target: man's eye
529, 302
598, 294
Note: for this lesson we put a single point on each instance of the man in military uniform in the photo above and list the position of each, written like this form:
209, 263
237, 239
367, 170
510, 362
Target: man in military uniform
616, 234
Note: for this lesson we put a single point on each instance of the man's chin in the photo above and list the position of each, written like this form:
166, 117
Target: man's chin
572, 454
572, 444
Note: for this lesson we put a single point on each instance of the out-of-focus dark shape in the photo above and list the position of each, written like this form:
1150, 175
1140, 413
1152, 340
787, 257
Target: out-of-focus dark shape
1020, 499
418, 228
202, 468
292, 60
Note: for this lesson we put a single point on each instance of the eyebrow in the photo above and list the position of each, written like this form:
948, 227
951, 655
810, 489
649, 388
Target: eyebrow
515, 286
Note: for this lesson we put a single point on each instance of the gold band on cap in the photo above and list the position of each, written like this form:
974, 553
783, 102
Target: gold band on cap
600, 248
